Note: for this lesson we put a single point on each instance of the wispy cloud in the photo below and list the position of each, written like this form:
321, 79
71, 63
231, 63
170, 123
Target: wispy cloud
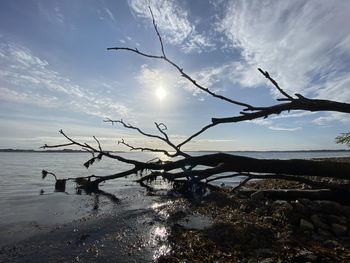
173, 21
296, 114
152, 78
53, 15
302, 43
269, 123
110, 14
330, 118
209, 77
277, 128
305, 45
26, 78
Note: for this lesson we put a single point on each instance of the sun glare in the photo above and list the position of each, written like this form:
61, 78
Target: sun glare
160, 93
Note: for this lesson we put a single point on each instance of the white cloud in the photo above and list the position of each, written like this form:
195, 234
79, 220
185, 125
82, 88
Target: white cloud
152, 78
173, 22
32, 98
25, 78
277, 128
209, 77
305, 45
329, 118
110, 14
270, 125
297, 114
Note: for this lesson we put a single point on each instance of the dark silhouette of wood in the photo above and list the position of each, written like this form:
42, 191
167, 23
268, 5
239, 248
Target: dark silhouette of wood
340, 196
211, 167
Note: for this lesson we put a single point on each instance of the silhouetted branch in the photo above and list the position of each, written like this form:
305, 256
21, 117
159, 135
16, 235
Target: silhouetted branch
267, 75
212, 167
45, 146
299, 103
161, 128
296, 104
196, 134
156, 29
142, 149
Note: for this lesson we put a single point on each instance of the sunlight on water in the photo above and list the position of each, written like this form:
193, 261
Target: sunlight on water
159, 233
157, 205
162, 209
159, 237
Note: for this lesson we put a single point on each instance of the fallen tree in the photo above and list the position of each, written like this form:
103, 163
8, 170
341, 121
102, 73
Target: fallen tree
216, 166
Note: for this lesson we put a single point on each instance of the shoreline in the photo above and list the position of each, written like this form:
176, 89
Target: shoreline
220, 226
131, 236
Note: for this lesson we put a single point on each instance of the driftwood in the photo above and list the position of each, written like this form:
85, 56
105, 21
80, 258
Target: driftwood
211, 167
340, 196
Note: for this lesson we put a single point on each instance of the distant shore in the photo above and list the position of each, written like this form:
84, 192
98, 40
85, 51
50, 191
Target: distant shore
201, 151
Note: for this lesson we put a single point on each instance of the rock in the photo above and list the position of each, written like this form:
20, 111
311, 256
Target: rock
260, 211
317, 221
323, 232
267, 260
283, 205
307, 256
331, 243
257, 195
263, 252
331, 207
300, 208
306, 225
269, 220
339, 230
337, 219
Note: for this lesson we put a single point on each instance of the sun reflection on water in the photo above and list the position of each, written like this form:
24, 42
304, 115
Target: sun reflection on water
159, 238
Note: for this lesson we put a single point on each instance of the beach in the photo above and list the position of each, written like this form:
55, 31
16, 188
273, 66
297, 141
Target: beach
142, 226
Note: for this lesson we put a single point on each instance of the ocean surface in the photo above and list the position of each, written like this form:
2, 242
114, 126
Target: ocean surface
29, 204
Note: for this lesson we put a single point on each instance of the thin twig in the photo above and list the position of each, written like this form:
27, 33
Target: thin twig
267, 75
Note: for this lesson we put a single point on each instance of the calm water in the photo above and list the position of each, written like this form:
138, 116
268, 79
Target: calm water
24, 209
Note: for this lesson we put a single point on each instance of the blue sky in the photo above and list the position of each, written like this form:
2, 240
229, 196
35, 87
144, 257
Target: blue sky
55, 71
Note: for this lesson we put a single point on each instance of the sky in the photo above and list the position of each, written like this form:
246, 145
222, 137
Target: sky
56, 72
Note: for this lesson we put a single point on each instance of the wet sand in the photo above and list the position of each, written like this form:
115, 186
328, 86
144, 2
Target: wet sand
138, 233
126, 238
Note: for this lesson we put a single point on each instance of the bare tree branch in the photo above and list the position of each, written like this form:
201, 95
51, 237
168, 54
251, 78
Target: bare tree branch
161, 128
296, 104
142, 149
211, 167
267, 75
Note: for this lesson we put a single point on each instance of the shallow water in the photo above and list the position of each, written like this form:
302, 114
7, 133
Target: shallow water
29, 204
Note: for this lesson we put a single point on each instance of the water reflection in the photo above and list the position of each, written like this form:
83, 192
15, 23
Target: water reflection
159, 240
162, 208
159, 233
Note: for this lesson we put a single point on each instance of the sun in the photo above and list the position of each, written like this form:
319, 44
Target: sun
160, 93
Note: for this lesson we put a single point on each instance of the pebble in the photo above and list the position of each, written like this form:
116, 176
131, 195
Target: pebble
337, 219
317, 221
307, 255
324, 233
283, 205
268, 260
331, 243
263, 252
306, 225
339, 230
257, 195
